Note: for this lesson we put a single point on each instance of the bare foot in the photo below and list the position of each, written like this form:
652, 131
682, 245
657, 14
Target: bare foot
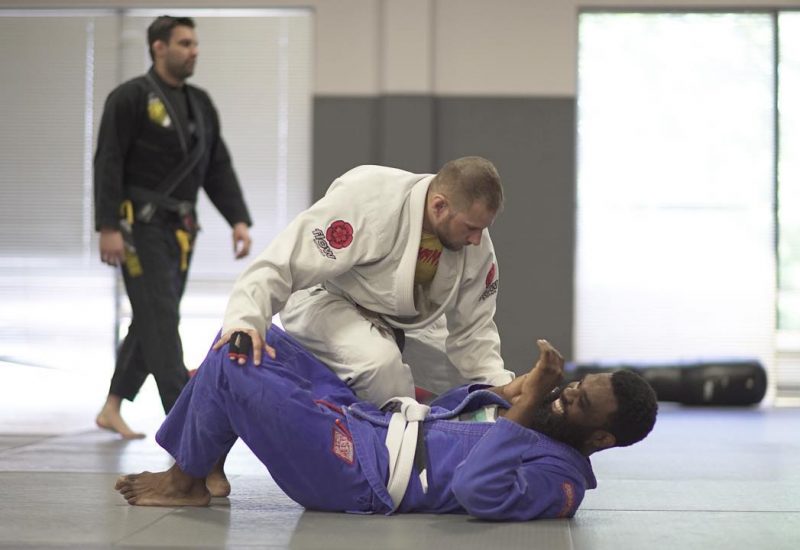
217, 482
110, 419
170, 488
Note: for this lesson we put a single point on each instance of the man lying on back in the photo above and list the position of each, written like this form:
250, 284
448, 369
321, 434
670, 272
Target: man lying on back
513, 452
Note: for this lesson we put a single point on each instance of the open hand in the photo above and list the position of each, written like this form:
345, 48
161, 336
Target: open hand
546, 374
527, 392
259, 346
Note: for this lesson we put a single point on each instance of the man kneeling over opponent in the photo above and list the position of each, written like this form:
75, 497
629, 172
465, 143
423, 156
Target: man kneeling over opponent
513, 452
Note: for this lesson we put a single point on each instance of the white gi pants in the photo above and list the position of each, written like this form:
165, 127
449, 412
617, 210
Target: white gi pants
362, 355
365, 355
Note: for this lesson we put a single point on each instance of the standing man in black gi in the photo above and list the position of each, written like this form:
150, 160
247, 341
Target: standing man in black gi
159, 143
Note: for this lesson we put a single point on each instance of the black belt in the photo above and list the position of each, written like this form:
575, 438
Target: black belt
151, 205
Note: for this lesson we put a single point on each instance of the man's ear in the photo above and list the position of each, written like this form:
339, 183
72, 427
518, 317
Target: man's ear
439, 204
159, 46
600, 440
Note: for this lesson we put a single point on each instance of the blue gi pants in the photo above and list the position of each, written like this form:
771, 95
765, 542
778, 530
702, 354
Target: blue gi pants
286, 413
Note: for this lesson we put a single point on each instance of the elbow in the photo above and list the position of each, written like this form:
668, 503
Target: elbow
476, 502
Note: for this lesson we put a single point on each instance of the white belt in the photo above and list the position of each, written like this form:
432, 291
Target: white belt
401, 441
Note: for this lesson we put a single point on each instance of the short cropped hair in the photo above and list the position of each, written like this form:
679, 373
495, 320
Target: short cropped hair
161, 29
637, 406
468, 179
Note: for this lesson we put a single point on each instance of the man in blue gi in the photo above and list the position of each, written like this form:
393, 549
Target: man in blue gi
513, 452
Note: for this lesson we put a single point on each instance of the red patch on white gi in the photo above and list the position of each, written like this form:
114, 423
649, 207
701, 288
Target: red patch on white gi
343, 446
569, 499
339, 234
491, 283
490, 275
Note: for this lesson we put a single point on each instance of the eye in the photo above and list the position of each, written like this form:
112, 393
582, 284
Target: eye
583, 401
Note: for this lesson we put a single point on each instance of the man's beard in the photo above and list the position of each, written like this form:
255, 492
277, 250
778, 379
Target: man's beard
449, 245
181, 71
444, 238
557, 426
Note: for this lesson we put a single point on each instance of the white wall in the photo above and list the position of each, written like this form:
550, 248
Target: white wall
448, 47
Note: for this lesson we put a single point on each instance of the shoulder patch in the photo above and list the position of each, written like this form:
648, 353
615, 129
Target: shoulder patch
339, 234
157, 112
568, 490
322, 244
490, 275
491, 283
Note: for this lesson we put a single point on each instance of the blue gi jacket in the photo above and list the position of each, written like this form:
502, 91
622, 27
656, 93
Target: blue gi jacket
496, 471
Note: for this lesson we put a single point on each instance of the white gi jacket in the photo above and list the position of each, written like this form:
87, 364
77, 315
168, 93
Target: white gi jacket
361, 241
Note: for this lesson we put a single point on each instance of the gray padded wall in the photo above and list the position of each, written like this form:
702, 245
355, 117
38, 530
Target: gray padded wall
407, 133
392, 130
532, 142
345, 135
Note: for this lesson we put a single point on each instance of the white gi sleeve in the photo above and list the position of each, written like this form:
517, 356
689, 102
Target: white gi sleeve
326, 240
473, 343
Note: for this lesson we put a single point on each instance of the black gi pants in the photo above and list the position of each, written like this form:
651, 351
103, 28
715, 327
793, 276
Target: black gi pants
153, 344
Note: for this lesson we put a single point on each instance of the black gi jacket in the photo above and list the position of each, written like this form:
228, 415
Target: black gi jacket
134, 150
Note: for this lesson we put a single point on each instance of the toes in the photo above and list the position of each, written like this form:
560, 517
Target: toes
122, 481
127, 480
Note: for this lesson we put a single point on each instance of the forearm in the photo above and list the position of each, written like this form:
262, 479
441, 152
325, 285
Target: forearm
523, 409
510, 391
259, 293
528, 392
474, 349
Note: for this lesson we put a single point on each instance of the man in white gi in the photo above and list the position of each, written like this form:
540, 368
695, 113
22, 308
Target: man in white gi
383, 252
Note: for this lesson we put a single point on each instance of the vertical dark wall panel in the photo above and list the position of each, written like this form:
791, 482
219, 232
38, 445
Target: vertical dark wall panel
532, 143
406, 133
345, 136
391, 130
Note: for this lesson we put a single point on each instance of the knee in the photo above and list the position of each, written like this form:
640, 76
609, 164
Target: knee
382, 378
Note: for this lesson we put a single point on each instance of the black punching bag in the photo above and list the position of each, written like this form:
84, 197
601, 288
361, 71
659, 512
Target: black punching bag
733, 383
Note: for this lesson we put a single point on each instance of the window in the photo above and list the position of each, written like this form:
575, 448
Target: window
256, 64
676, 186
789, 172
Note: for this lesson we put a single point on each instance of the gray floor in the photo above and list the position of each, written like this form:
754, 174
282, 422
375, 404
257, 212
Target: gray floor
705, 479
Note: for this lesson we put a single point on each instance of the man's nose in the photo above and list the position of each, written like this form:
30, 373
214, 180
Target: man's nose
475, 238
568, 394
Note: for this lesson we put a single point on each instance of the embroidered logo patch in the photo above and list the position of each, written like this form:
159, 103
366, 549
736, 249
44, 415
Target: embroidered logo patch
491, 283
322, 244
157, 112
569, 499
343, 446
339, 234
490, 275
